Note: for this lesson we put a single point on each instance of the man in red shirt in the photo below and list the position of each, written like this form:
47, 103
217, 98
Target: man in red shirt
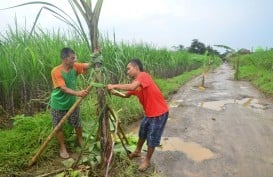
154, 105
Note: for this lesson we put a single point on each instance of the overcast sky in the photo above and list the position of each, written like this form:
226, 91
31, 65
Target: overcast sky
166, 23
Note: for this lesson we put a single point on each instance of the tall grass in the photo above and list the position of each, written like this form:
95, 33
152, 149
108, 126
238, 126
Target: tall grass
25, 67
258, 68
262, 59
26, 63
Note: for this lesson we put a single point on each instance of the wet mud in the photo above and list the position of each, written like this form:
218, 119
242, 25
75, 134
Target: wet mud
192, 150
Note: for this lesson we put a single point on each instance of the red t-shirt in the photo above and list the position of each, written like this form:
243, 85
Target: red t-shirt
149, 96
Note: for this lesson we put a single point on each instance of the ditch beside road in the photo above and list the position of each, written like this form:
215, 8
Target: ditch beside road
224, 129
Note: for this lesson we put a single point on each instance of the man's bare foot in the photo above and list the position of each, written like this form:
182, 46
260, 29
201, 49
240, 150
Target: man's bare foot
134, 154
64, 155
144, 166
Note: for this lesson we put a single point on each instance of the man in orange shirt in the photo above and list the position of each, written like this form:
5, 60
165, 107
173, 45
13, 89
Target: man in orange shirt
64, 93
154, 105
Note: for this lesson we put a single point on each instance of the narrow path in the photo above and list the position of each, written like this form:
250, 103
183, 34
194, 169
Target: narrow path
224, 130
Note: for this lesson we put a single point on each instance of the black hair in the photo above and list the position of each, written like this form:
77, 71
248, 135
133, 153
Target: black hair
136, 62
65, 52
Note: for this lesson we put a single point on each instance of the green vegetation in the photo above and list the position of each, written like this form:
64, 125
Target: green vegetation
257, 67
21, 142
26, 64
18, 144
170, 86
25, 84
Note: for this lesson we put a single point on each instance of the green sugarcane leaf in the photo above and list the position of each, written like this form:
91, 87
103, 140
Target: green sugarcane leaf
98, 85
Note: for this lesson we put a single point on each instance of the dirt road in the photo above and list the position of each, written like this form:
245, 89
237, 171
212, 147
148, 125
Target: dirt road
224, 130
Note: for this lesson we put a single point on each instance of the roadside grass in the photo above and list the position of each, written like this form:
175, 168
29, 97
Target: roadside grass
21, 142
258, 69
171, 86
260, 77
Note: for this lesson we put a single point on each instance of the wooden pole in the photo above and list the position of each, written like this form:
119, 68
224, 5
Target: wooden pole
65, 117
203, 78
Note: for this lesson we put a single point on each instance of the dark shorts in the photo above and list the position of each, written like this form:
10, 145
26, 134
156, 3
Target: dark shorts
74, 119
151, 129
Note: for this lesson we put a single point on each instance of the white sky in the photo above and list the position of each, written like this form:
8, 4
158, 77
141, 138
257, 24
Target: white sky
166, 23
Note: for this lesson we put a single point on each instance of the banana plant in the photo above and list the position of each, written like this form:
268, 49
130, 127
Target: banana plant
84, 11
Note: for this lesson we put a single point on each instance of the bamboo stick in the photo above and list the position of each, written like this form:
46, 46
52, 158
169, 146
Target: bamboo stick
128, 152
112, 150
65, 117
117, 93
119, 126
53, 172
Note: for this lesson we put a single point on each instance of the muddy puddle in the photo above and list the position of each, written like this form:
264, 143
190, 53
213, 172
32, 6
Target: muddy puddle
245, 102
221, 104
175, 103
192, 150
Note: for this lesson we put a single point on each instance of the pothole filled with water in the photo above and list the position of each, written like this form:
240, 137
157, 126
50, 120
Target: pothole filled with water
245, 102
193, 151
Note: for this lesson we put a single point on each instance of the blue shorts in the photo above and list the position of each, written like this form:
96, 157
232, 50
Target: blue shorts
151, 129
74, 118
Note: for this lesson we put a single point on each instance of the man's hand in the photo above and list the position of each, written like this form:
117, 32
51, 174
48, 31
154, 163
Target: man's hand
82, 93
110, 86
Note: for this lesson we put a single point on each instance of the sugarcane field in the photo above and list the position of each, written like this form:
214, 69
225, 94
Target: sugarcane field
100, 88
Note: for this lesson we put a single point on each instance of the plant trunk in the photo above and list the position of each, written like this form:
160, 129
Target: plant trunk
94, 36
104, 118
91, 17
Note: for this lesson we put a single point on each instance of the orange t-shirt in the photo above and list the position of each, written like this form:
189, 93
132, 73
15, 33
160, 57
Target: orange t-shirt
149, 96
57, 78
